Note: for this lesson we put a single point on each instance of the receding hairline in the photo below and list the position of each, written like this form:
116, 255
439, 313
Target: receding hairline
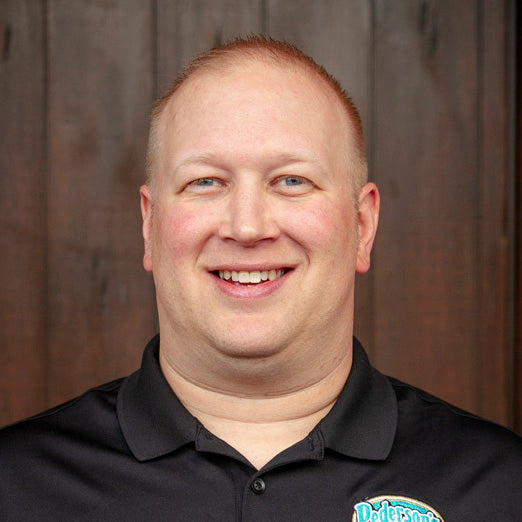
258, 49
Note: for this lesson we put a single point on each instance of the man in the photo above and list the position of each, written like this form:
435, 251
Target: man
255, 403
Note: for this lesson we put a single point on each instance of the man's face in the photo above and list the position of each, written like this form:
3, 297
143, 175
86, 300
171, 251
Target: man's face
254, 184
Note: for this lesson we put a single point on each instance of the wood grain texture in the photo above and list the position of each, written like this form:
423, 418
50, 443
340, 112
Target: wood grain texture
186, 28
495, 220
426, 264
515, 11
431, 79
101, 305
22, 200
337, 34
451, 335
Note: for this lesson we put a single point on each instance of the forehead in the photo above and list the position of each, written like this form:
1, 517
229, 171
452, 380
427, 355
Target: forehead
254, 104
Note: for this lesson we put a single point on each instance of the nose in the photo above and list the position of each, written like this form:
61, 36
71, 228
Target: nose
248, 217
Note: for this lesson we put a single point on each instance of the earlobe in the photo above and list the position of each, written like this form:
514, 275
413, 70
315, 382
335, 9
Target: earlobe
146, 214
367, 221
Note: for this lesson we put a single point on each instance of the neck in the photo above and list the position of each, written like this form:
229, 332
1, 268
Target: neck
259, 426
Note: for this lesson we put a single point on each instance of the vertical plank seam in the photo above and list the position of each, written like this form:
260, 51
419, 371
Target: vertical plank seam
478, 261
46, 222
512, 14
516, 14
263, 17
154, 48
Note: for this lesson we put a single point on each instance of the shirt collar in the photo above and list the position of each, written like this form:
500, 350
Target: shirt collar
362, 423
152, 419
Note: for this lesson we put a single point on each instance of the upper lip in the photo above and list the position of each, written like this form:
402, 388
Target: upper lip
249, 267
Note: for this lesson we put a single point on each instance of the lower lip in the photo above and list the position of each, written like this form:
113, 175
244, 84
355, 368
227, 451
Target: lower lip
250, 291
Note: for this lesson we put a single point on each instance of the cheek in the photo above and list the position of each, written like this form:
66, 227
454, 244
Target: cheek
329, 227
178, 230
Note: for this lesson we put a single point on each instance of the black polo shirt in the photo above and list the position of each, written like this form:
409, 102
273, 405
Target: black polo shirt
128, 450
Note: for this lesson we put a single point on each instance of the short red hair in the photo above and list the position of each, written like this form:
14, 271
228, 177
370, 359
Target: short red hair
253, 48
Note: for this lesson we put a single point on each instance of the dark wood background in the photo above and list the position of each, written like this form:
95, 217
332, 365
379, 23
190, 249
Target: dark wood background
436, 82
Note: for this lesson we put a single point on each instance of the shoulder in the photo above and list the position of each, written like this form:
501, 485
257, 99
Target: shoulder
421, 413
427, 412
464, 463
458, 442
86, 416
47, 461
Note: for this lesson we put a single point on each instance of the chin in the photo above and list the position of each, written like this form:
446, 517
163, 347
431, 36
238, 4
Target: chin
257, 336
249, 347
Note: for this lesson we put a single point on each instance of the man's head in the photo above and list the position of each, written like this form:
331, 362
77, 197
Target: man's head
266, 50
256, 237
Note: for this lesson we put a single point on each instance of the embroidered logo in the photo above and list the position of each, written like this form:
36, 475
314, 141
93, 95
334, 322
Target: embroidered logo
392, 508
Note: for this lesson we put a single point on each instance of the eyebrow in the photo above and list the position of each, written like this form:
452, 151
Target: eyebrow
274, 160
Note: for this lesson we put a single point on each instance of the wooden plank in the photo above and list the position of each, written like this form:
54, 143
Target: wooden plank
101, 307
427, 297
496, 216
337, 34
186, 28
22, 200
517, 167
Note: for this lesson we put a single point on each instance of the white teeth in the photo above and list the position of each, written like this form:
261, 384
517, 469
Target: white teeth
254, 277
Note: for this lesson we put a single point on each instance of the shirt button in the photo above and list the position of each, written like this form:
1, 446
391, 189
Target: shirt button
258, 486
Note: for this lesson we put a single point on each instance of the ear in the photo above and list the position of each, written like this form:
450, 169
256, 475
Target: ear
146, 214
367, 220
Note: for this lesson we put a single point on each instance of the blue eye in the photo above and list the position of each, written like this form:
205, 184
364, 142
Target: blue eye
291, 181
204, 186
293, 185
204, 182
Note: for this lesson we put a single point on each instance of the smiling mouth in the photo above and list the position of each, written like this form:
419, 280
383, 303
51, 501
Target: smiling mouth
252, 278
